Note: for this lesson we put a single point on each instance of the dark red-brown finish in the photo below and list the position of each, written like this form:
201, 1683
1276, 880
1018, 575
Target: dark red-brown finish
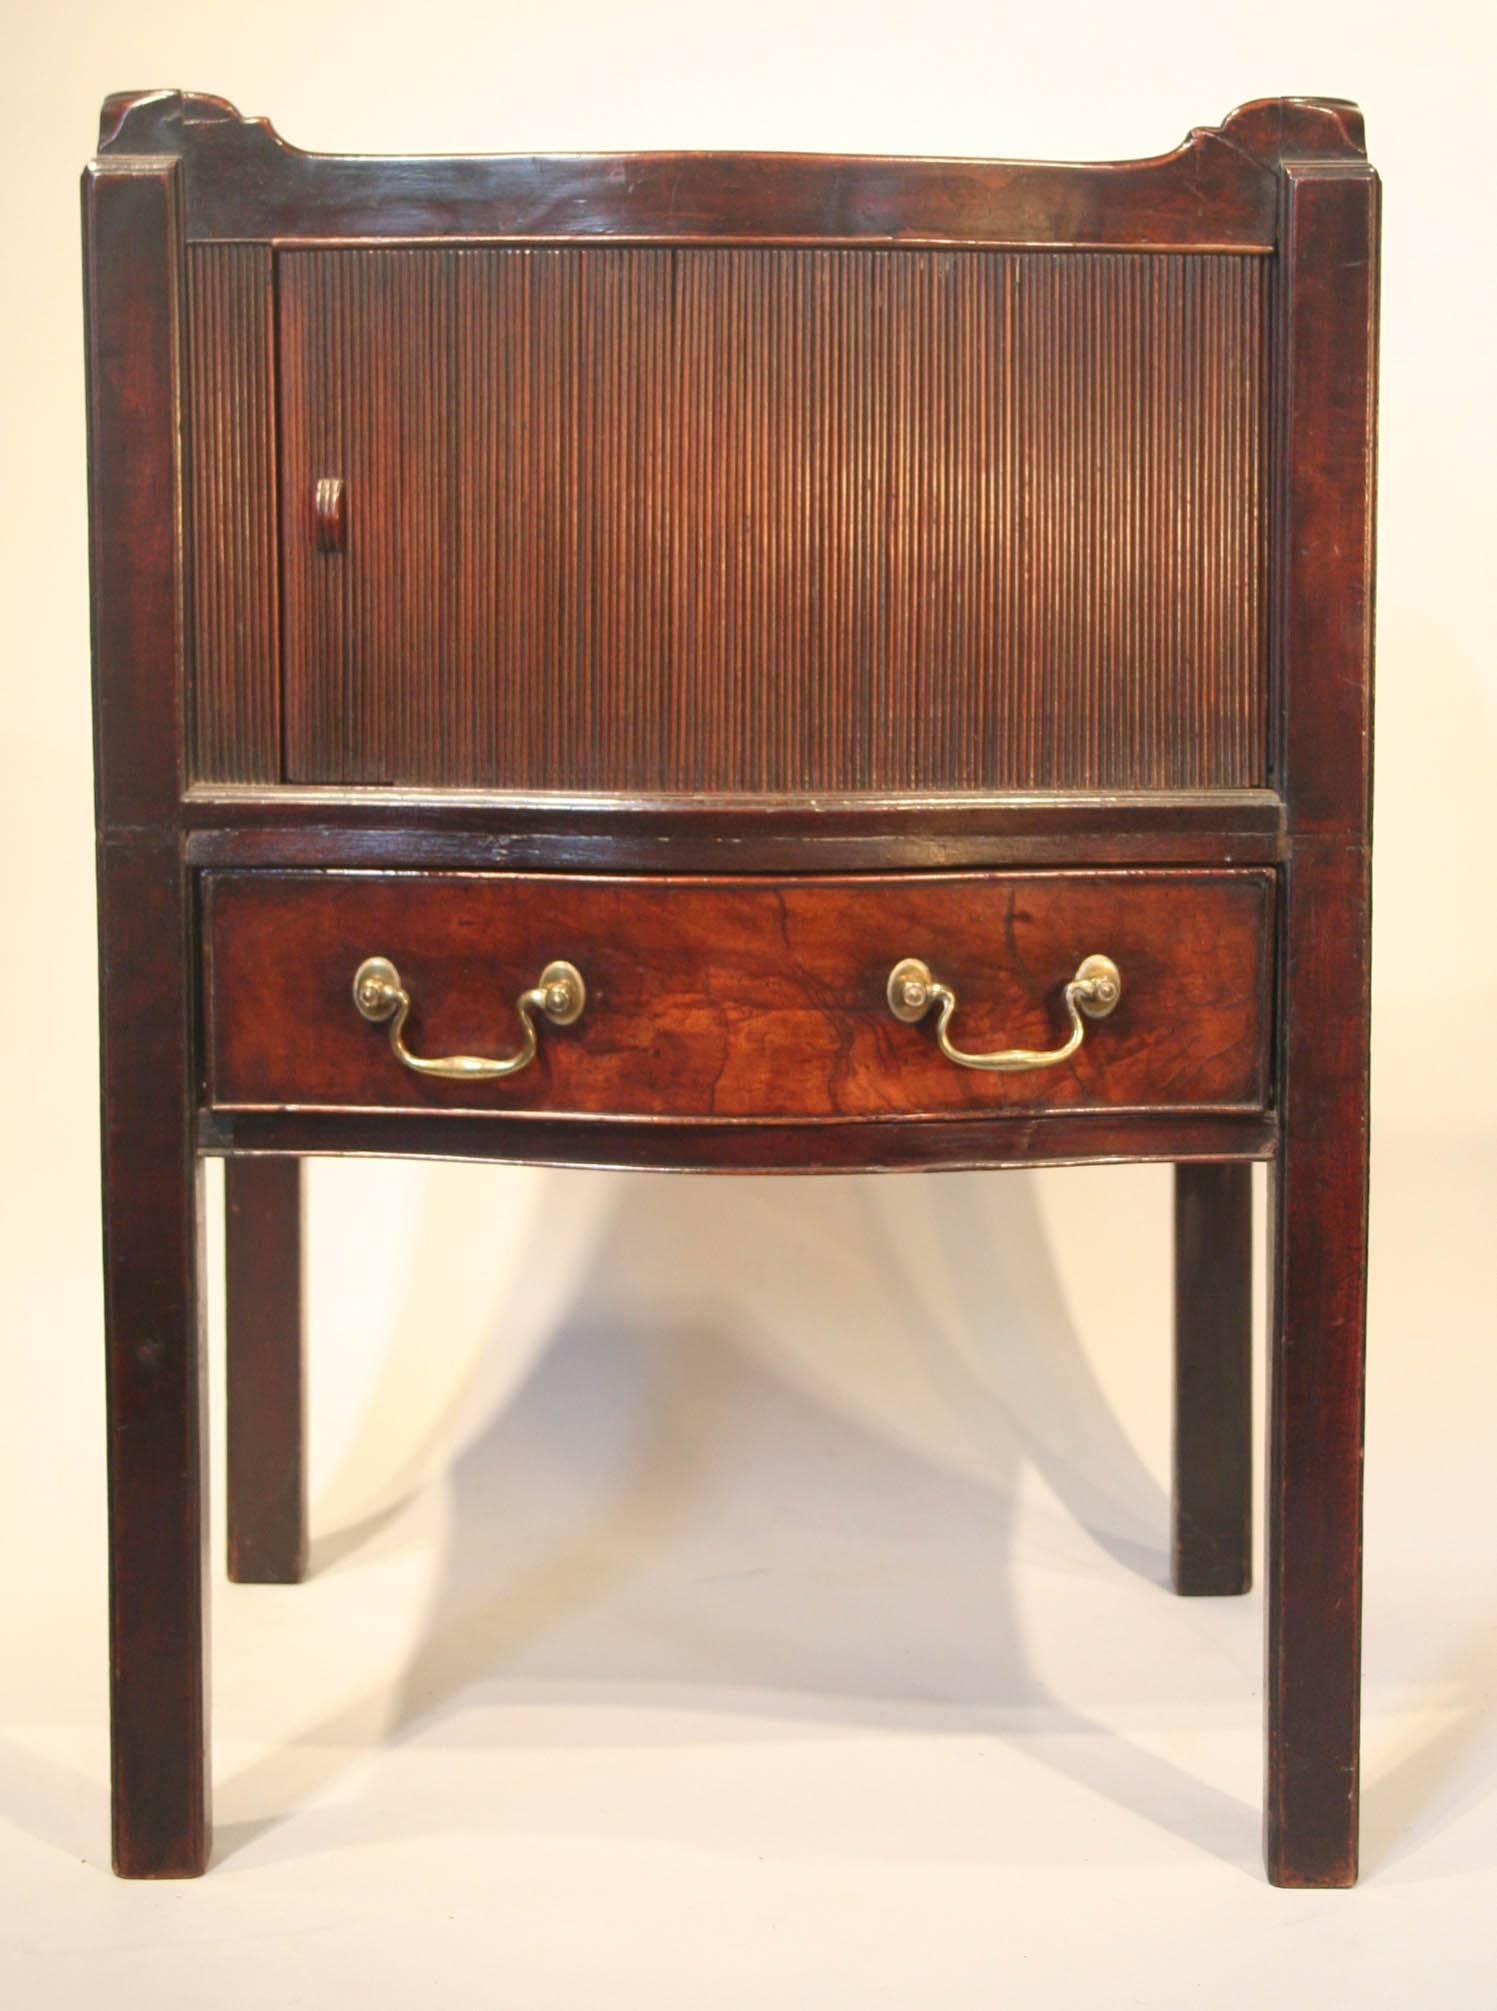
871, 1145
1211, 1552
1217, 190
1318, 1226
1327, 345
151, 1182
710, 520
739, 1000
731, 834
1318, 1216
266, 1366
800, 563
236, 714
132, 275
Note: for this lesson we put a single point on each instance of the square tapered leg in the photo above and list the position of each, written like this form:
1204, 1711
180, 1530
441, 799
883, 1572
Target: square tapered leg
267, 1467
1211, 1551
154, 1350
1318, 1223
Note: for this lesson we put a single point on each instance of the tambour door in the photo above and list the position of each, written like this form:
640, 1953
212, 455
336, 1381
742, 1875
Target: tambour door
622, 518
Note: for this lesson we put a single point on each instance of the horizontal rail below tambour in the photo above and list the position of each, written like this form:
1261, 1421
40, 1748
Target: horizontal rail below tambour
392, 828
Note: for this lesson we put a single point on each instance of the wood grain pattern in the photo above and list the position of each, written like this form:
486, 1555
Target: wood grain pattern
1218, 188
154, 1354
735, 834
1328, 347
775, 521
739, 1000
153, 1330
1326, 408
1317, 1337
235, 557
1027, 519
133, 294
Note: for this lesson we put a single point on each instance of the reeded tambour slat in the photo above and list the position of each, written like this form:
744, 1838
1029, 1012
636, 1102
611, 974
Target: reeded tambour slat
236, 722
776, 520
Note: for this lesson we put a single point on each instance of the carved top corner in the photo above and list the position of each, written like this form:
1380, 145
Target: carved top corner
1267, 130
1273, 130
158, 122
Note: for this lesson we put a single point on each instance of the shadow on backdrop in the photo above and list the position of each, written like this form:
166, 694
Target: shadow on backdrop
767, 1466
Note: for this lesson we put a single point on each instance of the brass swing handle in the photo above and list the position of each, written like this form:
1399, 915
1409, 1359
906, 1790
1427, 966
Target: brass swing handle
1095, 991
379, 996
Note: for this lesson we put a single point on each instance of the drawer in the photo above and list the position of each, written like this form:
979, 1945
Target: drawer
740, 999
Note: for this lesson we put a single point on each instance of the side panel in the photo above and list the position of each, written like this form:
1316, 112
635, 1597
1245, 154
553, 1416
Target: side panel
236, 713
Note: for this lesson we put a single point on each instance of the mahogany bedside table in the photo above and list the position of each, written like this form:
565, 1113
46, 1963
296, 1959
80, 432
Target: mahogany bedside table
732, 663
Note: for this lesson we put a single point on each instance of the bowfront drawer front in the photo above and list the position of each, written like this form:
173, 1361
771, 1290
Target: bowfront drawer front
738, 999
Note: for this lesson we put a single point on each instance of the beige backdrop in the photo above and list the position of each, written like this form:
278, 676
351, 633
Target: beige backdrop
752, 1589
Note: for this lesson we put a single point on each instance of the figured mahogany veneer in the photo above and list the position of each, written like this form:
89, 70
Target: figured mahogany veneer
739, 1000
734, 574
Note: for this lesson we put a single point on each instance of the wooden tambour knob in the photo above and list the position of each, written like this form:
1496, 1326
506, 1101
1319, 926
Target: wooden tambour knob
329, 513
